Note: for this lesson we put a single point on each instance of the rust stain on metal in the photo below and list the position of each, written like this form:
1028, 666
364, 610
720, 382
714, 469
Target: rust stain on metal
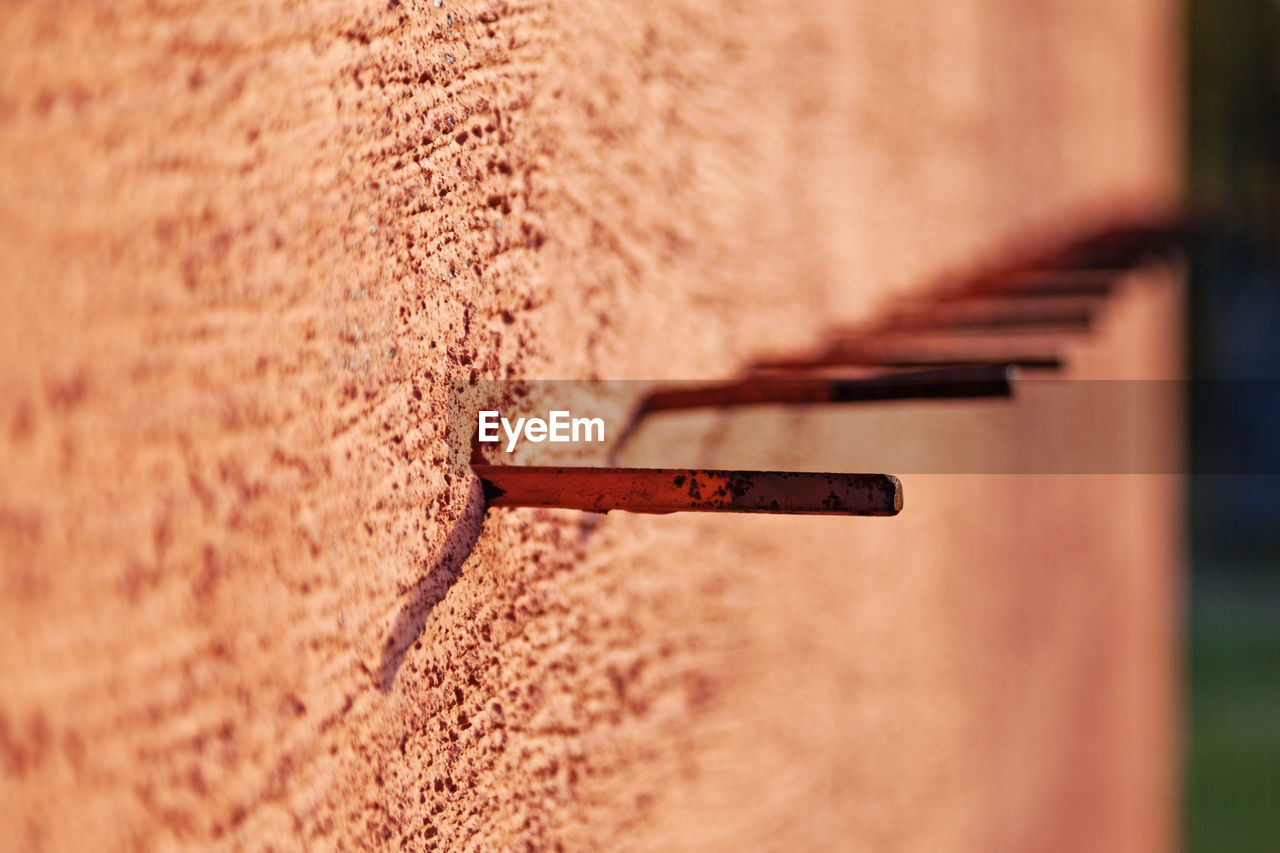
666, 490
990, 380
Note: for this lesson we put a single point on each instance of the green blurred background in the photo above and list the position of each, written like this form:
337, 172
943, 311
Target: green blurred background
1233, 744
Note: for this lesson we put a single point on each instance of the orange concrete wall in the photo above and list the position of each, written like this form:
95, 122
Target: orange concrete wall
244, 247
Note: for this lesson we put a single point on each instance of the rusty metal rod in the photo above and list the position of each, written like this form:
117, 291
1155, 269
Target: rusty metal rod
988, 380
998, 311
665, 490
1091, 263
1048, 283
1125, 245
925, 352
1037, 284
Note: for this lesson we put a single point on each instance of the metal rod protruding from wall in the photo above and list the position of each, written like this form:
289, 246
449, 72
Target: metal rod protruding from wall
666, 490
925, 351
997, 312
989, 380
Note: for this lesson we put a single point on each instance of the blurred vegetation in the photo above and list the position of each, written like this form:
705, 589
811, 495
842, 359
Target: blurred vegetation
1233, 760
1233, 755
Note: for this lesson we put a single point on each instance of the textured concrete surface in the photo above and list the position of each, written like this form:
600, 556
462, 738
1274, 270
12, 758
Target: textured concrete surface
245, 247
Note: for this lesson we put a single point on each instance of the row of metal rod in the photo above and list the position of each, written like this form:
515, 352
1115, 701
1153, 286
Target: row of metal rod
962, 341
